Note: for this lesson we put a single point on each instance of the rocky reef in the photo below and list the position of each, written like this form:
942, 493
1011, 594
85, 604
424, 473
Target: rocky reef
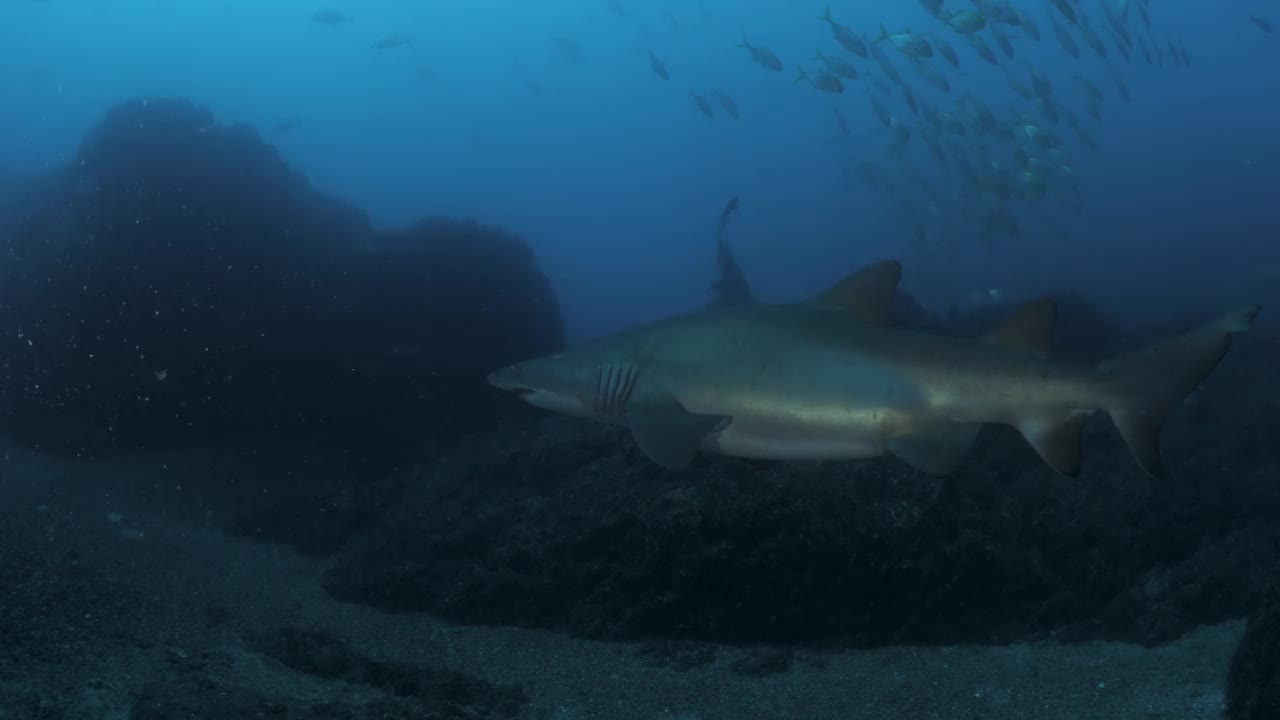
1253, 685
178, 285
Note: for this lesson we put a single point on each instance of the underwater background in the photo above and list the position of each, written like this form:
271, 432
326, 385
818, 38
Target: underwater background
260, 258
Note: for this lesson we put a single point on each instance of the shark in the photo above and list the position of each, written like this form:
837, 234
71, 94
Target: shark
833, 378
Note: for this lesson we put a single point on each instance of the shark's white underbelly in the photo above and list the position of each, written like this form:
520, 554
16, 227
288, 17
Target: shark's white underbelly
769, 438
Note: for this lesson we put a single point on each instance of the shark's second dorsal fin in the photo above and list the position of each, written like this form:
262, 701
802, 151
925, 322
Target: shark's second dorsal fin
1029, 328
867, 293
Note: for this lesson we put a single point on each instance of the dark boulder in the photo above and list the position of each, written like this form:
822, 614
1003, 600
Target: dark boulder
179, 285
1253, 683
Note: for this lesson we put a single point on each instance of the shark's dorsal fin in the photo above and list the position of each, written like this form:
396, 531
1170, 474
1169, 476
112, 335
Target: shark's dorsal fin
1029, 328
731, 287
867, 293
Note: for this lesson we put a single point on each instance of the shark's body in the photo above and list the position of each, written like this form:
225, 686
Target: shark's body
832, 379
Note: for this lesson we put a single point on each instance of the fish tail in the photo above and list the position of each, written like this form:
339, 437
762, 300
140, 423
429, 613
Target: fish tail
801, 75
884, 34
826, 15
744, 43
1145, 386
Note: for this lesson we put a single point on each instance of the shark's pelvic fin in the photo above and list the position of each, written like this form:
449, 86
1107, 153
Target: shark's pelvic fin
936, 452
1146, 385
868, 293
667, 433
1029, 328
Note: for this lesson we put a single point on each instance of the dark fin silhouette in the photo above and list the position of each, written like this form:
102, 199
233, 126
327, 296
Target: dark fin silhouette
731, 287
1057, 440
1146, 385
937, 452
668, 434
1029, 328
868, 293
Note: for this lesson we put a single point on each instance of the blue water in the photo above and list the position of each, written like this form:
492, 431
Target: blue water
616, 179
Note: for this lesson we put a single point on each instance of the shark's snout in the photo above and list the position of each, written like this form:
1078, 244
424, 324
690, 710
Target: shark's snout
502, 378
508, 379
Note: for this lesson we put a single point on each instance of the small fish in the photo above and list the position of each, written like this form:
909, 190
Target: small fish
1120, 48
1027, 25
910, 98
726, 103
659, 68
331, 17
569, 49
881, 112
391, 41
822, 80
1182, 50
998, 11
841, 122
847, 38
965, 22
1093, 41
1065, 40
931, 75
1120, 86
933, 7
1002, 41
704, 107
761, 56
947, 52
908, 43
886, 66
1067, 11
838, 66
1018, 87
984, 51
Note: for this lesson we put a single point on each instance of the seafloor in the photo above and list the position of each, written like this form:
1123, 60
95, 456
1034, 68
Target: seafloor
147, 587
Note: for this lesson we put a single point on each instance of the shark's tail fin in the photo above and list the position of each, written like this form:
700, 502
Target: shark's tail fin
1146, 385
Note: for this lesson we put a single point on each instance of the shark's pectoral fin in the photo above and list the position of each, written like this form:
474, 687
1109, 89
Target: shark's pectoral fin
667, 433
1057, 439
936, 452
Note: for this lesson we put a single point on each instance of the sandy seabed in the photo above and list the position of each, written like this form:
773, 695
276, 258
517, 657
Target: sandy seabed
107, 597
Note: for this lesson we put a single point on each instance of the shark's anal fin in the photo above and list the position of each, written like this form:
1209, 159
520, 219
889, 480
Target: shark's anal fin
1029, 328
667, 433
868, 293
1057, 440
936, 452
